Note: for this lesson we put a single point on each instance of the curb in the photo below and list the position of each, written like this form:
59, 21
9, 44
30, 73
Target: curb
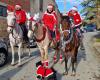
97, 46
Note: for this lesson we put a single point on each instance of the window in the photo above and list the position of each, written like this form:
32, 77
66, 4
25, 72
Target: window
41, 5
3, 11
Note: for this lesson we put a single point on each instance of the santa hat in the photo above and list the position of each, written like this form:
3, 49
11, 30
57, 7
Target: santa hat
50, 6
10, 8
18, 6
74, 8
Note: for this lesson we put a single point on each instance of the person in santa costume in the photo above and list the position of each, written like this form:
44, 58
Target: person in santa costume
77, 21
21, 20
44, 73
50, 21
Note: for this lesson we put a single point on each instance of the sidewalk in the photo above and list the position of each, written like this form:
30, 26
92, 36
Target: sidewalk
96, 44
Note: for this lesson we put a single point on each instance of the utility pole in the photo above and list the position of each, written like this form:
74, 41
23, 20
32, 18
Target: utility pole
65, 6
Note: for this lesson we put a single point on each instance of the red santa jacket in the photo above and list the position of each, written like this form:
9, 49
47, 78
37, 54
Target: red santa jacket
44, 72
55, 16
20, 16
76, 18
49, 20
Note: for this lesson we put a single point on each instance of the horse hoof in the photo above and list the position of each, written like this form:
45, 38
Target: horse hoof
19, 65
73, 74
12, 64
29, 55
65, 73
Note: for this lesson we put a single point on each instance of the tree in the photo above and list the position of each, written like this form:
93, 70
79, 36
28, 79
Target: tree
91, 9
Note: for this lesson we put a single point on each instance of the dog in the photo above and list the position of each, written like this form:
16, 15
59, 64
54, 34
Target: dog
44, 73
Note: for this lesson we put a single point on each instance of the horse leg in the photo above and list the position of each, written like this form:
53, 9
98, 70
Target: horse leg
66, 61
19, 53
73, 61
29, 50
61, 56
13, 58
46, 56
55, 56
42, 55
81, 44
66, 68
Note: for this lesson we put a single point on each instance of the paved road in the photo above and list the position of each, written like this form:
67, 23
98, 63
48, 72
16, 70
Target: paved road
88, 65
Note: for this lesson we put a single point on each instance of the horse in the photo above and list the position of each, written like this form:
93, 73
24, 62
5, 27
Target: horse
39, 31
15, 36
70, 43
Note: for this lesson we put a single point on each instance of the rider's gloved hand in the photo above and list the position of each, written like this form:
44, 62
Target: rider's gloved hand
54, 29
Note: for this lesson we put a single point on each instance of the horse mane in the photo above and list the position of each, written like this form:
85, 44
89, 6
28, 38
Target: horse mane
67, 18
65, 21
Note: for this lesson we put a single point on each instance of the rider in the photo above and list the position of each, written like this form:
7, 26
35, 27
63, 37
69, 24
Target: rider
73, 13
50, 21
21, 20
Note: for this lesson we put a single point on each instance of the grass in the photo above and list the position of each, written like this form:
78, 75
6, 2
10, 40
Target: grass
98, 40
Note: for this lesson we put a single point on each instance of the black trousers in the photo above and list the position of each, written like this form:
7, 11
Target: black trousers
25, 31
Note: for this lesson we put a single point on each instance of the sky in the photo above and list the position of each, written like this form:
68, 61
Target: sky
69, 5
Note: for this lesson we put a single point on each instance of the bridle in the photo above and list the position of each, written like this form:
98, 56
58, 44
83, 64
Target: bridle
44, 32
13, 27
70, 31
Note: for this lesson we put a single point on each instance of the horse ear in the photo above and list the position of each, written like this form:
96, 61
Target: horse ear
28, 15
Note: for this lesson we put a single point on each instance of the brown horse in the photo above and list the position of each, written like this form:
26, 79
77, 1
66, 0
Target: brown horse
70, 43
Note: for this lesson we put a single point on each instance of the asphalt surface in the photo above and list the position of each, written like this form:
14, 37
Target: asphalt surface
88, 64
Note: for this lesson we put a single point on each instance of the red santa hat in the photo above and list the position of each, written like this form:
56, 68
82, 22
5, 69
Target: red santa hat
74, 8
50, 6
18, 6
10, 8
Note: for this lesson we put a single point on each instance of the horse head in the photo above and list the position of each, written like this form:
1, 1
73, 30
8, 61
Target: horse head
35, 21
66, 24
10, 21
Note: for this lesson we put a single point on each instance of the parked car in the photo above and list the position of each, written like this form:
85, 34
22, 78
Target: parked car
3, 53
90, 28
32, 43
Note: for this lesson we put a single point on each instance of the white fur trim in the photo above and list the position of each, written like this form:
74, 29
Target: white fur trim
49, 74
78, 24
74, 8
50, 14
18, 6
50, 6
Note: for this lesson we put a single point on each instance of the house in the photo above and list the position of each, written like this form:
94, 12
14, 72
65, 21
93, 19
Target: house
32, 6
41, 6
3, 13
